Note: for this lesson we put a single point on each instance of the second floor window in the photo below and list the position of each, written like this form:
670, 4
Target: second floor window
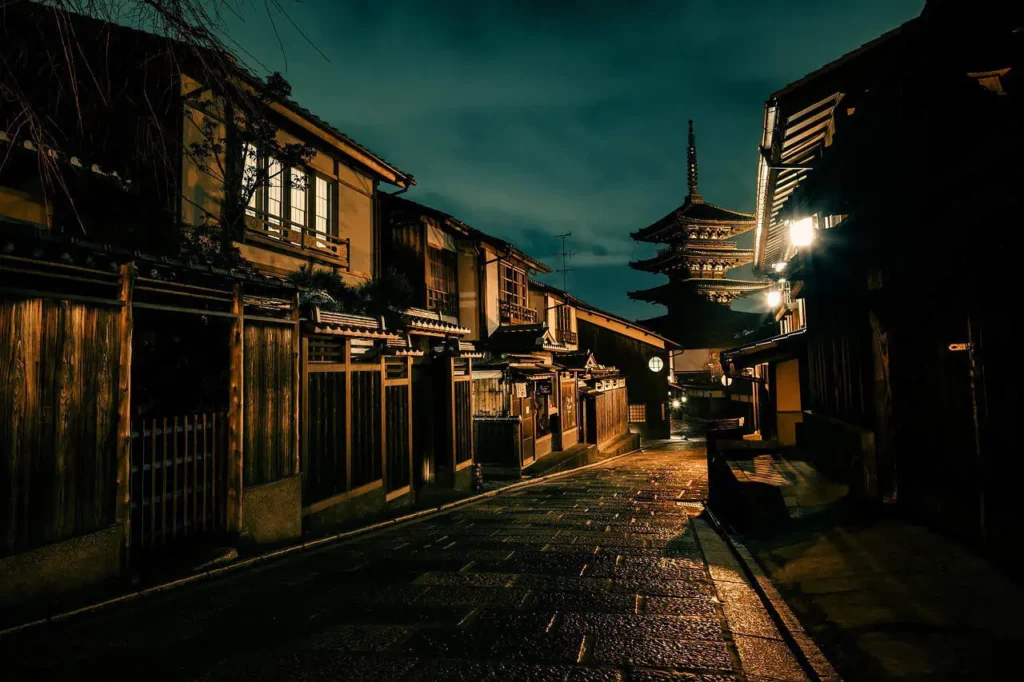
564, 316
442, 288
295, 197
513, 285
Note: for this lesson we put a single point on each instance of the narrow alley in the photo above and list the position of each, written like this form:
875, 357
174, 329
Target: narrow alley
609, 573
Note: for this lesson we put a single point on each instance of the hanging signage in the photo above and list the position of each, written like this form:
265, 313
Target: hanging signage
519, 390
543, 387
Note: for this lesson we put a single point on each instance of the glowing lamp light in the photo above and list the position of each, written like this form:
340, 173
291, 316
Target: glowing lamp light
774, 298
683, 399
726, 380
801, 232
656, 364
676, 404
779, 267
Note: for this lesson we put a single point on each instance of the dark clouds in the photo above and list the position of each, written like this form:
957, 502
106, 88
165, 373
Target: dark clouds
528, 119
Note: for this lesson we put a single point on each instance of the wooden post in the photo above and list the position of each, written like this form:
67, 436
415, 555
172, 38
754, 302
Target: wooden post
348, 413
236, 416
304, 414
123, 512
382, 402
469, 378
297, 385
452, 449
408, 417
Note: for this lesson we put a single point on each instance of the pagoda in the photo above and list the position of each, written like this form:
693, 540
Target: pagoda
698, 253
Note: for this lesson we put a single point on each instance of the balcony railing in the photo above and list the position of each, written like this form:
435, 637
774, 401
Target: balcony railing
512, 313
445, 302
296, 237
567, 336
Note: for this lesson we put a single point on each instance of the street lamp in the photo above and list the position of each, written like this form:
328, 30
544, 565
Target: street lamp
683, 399
801, 232
676, 404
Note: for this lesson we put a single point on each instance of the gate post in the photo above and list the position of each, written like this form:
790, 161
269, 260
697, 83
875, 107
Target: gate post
123, 510
236, 416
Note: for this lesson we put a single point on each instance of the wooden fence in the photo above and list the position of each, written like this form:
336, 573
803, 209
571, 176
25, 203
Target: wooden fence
357, 417
59, 407
608, 417
271, 403
178, 478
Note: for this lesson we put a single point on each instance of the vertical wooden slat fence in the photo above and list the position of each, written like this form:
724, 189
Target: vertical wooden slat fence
358, 423
463, 420
269, 389
398, 424
324, 462
366, 425
178, 478
59, 402
610, 416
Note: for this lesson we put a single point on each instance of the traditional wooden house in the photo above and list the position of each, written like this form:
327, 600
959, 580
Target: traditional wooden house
897, 328
198, 402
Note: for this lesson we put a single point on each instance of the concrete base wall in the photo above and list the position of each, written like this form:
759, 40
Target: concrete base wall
272, 512
369, 504
617, 446
62, 567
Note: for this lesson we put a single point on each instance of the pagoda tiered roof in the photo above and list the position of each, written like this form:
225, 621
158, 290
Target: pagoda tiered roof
696, 216
704, 261
716, 290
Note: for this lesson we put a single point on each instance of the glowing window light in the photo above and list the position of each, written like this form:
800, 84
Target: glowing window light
801, 232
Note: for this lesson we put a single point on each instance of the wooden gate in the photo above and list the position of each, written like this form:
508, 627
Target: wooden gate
178, 479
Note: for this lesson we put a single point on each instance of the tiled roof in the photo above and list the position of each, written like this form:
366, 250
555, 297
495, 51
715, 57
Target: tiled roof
432, 321
692, 213
465, 230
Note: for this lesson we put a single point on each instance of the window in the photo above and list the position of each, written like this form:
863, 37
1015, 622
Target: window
275, 191
249, 177
302, 199
638, 414
297, 186
442, 291
513, 285
322, 207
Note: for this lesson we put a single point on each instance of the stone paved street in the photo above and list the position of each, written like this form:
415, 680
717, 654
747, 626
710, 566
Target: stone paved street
604, 574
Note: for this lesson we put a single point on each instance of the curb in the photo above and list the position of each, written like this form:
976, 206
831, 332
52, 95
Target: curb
806, 651
301, 547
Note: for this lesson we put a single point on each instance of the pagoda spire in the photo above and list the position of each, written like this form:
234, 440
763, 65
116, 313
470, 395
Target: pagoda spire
691, 168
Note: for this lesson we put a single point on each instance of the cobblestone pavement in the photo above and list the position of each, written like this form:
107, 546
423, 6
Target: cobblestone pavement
605, 574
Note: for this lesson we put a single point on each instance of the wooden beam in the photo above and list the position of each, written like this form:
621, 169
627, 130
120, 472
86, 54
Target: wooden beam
297, 385
409, 416
382, 405
123, 511
236, 416
348, 413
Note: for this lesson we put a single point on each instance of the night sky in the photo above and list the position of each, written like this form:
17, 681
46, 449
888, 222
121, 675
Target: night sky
526, 121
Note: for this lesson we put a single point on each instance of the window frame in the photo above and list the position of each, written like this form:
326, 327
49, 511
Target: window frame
508, 273
259, 203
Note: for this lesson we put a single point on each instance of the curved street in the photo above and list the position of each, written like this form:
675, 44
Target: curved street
604, 574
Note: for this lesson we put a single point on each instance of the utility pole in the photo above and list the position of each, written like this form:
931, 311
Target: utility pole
566, 255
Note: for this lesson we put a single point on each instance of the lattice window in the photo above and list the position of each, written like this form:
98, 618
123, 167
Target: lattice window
442, 287
638, 414
513, 285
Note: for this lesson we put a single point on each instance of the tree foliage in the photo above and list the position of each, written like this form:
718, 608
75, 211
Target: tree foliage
75, 83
